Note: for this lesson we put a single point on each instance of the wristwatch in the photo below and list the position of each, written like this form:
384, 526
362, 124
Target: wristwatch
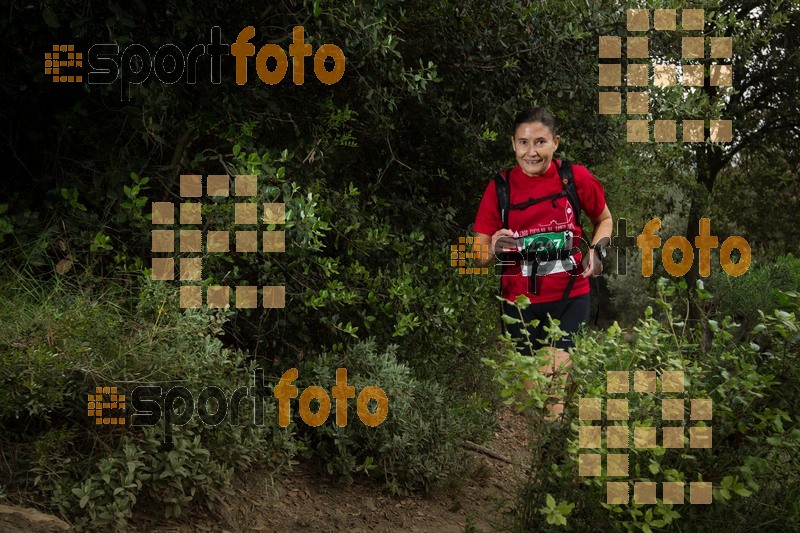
600, 249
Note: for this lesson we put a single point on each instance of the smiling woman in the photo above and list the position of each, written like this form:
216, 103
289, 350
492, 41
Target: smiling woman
535, 141
533, 211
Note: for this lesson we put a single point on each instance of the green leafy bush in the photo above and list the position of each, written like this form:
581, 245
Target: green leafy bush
756, 290
57, 344
754, 463
418, 446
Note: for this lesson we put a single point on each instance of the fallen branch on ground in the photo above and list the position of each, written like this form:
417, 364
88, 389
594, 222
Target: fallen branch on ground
487, 451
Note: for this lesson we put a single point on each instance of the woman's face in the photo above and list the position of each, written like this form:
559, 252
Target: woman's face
534, 147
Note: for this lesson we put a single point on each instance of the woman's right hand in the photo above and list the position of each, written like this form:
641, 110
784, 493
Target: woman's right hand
503, 241
490, 245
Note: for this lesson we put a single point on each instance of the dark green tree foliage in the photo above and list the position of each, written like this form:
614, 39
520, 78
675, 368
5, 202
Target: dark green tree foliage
396, 154
379, 173
764, 107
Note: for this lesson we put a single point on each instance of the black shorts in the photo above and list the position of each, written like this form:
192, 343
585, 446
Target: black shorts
573, 313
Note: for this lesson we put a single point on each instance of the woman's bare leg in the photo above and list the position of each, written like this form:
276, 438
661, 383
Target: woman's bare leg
560, 363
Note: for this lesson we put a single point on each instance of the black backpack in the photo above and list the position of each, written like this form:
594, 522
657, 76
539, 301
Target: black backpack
504, 205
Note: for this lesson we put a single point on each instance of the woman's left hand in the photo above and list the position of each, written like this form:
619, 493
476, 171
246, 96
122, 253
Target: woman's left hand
592, 264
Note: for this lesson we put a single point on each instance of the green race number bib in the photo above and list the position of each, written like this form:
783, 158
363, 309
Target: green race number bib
547, 242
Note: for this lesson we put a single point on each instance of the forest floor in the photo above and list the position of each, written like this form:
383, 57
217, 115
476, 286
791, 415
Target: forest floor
307, 500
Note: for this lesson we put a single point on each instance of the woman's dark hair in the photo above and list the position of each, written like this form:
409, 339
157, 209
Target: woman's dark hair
536, 114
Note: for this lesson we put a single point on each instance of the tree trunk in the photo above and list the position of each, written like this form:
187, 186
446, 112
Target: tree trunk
708, 159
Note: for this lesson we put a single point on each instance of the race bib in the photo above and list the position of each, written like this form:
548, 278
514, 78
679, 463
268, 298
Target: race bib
547, 243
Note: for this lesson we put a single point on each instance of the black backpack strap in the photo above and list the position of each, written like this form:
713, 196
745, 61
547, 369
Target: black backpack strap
568, 180
533, 201
502, 185
570, 283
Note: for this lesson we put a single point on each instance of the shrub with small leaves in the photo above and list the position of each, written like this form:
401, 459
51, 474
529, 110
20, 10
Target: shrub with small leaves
417, 446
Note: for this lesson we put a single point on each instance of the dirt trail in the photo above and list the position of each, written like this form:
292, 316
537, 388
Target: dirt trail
17, 519
305, 500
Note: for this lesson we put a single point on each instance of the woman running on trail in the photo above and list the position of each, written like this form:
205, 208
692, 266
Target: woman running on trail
533, 212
